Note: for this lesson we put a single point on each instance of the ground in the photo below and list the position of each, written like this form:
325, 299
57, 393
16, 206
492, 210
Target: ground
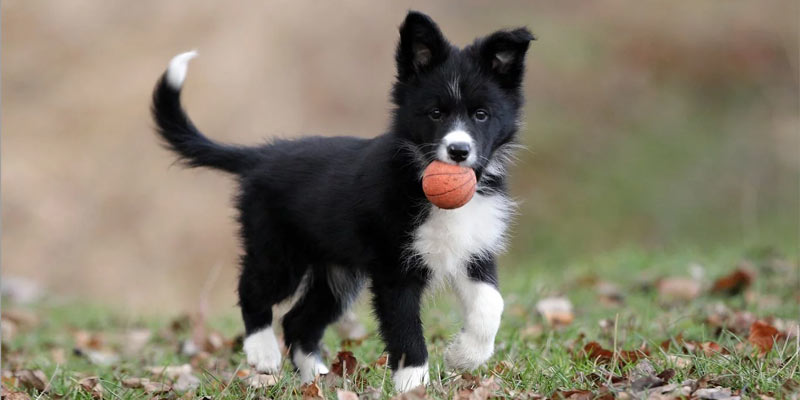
642, 323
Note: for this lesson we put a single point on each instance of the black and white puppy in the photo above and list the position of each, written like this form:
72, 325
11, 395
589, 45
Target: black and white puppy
320, 216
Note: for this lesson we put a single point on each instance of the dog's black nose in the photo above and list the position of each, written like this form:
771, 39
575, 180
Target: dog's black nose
458, 151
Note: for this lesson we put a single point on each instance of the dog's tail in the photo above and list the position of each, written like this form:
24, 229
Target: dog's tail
179, 133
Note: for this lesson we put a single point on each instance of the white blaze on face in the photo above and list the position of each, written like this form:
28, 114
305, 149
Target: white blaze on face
457, 135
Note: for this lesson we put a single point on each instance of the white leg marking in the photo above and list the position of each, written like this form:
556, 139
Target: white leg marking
262, 351
408, 378
309, 365
176, 73
482, 306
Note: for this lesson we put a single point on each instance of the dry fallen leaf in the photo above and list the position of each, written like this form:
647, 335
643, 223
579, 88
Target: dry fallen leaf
557, 311
155, 387
418, 393
16, 396
503, 367
135, 339
594, 351
680, 362
678, 288
32, 379
579, 394
734, 283
93, 386
145, 384
185, 383
98, 357
344, 364
259, 381
311, 391
382, 360
715, 393
171, 372
345, 395
763, 336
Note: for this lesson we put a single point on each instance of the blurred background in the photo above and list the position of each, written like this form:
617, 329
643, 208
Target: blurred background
651, 126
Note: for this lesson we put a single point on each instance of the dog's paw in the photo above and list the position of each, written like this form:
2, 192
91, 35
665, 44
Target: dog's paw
468, 352
308, 365
408, 378
263, 352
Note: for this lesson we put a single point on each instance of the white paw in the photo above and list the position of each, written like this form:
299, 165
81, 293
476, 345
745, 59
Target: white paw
309, 365
408, 378
468, 352
263, 352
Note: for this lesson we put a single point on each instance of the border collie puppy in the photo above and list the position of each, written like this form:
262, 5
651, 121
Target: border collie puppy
321, 216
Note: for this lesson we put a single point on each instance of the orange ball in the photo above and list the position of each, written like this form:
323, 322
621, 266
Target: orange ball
448, 186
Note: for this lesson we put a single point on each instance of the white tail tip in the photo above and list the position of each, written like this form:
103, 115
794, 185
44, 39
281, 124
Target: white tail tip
176, 72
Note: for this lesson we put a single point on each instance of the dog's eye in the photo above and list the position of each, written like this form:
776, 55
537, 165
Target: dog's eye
435, 114
481, 115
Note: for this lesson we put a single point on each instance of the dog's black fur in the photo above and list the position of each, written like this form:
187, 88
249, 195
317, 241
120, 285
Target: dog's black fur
337, 211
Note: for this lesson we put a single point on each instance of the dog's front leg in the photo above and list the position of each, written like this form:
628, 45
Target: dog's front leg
397, 304
482, 306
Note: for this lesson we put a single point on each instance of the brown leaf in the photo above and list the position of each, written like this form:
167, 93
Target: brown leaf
557, 311
733, 284
578, 394
20, 318
666, 374
382, 360
259, 381
763, 336
418, 393
715, 393
171, 372
33, 379
678, 288
155, 387
345, 395
6, 394
92, 385
16, 396
311, 391
503, 367
88, 340
647, 382
146, 384
594, 351
132, 382
135, 340
344, 364
791, 386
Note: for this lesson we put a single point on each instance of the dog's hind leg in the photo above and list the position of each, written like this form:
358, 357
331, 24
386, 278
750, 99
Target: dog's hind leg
330, 291
261, 285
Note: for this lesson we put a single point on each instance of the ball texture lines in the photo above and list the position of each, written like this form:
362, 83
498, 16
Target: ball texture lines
448, 186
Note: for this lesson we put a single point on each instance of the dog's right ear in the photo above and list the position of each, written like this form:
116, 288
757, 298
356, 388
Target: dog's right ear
422, 46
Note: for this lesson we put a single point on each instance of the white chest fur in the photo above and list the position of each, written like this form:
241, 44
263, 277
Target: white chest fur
447, 239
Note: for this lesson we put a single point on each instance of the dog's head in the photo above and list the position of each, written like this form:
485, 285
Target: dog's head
459, 106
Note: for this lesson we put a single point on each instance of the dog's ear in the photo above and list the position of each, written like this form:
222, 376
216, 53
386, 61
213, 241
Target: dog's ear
422, 46
503, 54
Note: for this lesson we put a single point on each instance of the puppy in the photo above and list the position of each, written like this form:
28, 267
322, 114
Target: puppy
321, 216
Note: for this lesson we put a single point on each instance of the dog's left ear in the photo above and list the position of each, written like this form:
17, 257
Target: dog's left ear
422, 46
503, 54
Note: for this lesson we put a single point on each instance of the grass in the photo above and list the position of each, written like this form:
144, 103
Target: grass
540, 359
